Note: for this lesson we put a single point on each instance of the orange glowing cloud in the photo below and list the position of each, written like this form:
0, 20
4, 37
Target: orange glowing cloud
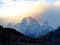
14, 12
57, 3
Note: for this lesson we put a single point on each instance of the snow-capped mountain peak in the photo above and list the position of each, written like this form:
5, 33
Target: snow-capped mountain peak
47, 25
31, 27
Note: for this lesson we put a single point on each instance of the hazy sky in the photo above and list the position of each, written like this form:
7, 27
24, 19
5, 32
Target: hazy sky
15, 10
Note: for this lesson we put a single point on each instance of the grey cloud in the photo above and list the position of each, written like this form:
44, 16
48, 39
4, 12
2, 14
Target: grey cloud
52, 15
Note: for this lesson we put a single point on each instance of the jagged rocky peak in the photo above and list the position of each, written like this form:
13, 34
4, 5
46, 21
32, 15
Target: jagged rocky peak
47, 24
28, 20
31, 27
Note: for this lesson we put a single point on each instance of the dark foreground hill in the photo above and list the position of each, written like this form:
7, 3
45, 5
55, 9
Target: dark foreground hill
8, 35
53, 37
12, 37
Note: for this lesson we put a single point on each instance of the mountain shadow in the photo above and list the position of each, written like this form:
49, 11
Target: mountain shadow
12, 37
8, 35
53, 37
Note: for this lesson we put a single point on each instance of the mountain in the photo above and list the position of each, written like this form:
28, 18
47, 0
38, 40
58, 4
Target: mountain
31, 27
10, 36
46, 27
10, 25
53, 37
28, 26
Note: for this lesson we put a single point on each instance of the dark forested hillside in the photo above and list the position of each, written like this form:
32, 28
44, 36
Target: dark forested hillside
53, 36
12, 37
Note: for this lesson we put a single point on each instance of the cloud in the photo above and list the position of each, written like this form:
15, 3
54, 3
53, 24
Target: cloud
57, 3
41, 6
16, 2
51, 14
1, 4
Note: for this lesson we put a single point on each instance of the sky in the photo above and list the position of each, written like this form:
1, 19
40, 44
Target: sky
16, 10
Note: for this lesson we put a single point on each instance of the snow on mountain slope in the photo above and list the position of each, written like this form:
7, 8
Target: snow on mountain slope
10, 26
46, 27
30, 27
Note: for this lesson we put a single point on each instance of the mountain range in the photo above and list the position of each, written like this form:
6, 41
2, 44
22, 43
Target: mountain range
9, 36
31, 27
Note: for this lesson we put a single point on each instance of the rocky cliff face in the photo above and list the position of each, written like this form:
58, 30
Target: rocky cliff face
31, 27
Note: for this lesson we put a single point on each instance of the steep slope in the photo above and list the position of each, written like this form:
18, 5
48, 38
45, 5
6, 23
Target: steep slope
12, 37
31, 27
46, 27
53, 36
